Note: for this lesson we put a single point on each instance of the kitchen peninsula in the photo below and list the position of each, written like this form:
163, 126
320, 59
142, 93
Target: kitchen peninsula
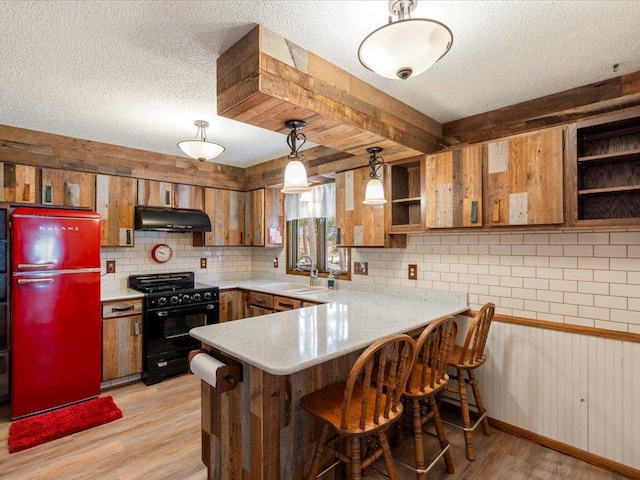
259, 429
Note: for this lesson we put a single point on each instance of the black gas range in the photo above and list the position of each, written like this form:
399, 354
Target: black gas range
173, 305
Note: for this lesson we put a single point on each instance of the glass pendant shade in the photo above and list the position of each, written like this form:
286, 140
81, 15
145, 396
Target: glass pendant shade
405, 48
374, 193
295, 178
201, 148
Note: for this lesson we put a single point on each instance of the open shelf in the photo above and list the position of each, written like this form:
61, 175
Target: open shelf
609, 169
407, 209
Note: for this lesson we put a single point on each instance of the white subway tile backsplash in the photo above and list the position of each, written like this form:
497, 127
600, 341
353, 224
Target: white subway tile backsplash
632, 264
563, 262
550, 296
577, 274
610, 325
578, 299
597, 313
550, 273
536, 283
536, 306
607, 301
593, 238
598, 288
578, 250
523, 250
625, 238
536, 238
563, 238
550, 250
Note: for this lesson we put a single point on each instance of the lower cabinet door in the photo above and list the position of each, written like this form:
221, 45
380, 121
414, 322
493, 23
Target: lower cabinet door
121, 347
257, 311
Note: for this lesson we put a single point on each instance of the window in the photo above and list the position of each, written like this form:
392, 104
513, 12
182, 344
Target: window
312, 233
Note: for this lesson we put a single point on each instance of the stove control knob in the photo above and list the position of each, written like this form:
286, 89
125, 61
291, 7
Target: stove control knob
197, 297
162, 301
174, 300
207, 295
186, 298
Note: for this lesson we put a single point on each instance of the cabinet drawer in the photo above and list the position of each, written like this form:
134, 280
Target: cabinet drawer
284, 303
261, 300
121, 308
310, 304
258, 311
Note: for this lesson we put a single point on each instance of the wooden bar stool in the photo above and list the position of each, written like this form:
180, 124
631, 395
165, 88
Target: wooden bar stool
428, 377
367, 404
467, 358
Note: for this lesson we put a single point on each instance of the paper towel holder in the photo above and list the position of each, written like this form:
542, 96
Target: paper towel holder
228, 376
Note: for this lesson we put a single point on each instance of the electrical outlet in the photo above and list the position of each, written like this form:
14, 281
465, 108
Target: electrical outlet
111, 266
412, 271
275, 262
361, 268
203, 262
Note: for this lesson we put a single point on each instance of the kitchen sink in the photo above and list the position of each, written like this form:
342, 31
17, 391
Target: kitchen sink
296, 288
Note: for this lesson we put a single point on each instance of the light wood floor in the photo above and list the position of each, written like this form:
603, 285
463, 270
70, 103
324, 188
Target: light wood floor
159, 438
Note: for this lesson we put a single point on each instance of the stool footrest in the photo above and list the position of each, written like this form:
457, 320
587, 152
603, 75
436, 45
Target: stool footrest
470, 429
425, 470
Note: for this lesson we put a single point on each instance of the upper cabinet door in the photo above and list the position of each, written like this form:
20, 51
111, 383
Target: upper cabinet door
226, 212
254, 218
155, 194
454, 188
188, 196
360, 225
68, 188
274, 217
115, 202
525, 181
18, 183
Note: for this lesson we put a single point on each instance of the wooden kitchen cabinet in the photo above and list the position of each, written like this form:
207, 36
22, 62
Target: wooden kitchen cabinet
254, 234
274, 223
18, 183
226, 212
408, 201
152, 193
360, 225
454, 188
122, 331
115, 202
232, 305
258, 311
606, 169
68, 188
525, 179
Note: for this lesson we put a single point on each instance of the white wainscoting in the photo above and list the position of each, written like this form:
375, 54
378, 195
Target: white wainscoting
580, 390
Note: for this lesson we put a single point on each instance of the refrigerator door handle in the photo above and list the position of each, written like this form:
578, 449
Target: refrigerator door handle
25, 281
26, 266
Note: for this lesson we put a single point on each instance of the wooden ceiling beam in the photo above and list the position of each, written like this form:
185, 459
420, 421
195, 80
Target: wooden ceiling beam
264, 80
560, 108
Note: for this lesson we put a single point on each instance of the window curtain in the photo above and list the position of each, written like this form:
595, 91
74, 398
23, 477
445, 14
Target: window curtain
319, 203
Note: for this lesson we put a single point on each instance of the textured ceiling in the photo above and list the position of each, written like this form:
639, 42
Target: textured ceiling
139, 73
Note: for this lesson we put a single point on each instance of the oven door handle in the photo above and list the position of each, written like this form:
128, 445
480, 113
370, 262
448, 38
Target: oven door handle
162, 314
211, 307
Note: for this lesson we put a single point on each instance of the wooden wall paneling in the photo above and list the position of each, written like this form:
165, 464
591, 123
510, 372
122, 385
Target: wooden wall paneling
525, 179
152, 193
29, 147
115, 202
274, 222
559, 108
68, 188
254, 218
631, 400
19, 183
188, 196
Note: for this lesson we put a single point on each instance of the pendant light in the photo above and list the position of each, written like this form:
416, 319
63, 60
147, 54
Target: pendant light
406, 47
201, 148
374, 193
295, 175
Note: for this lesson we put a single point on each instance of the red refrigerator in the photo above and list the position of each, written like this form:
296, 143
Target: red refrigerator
55, 308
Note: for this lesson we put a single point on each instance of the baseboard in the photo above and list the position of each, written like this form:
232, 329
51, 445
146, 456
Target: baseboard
567, 449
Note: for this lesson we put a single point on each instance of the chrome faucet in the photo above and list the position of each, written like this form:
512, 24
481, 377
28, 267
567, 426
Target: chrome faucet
313, 272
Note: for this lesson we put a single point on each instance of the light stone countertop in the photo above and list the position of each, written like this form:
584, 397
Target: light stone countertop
119, 293
287, 342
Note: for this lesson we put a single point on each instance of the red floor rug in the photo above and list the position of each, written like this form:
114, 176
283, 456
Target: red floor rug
39, 429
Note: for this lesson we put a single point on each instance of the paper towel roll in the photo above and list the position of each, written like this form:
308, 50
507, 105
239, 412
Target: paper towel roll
206, 367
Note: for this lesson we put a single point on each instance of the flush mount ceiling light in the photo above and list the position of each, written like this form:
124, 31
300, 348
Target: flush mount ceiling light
295, 175
406, 47
201, 148
374, 193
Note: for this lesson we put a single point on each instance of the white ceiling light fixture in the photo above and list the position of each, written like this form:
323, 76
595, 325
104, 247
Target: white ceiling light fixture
295, 175
374, 192
201, 148
406, 47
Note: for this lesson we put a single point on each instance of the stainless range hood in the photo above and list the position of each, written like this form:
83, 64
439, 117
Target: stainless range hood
172, 219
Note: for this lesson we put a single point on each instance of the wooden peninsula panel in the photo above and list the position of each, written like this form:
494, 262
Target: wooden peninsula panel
264, 80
